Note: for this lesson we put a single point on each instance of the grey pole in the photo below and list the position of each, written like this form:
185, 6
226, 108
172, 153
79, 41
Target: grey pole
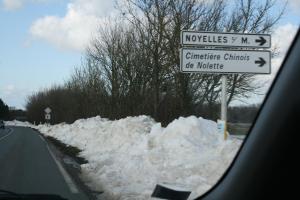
224, 99
224, 104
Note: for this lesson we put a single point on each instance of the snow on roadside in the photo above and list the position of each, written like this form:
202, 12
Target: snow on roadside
18, 123
128, 157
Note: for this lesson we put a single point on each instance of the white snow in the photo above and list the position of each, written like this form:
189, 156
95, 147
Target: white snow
128, 157
17, 123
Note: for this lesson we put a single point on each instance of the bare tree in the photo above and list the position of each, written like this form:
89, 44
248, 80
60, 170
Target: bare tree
132, 65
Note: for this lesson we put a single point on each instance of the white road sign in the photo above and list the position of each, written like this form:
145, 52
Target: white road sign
48, 110
47, 116
225, 39
225, 61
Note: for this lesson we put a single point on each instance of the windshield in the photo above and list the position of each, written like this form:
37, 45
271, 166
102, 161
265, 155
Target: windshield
132, 99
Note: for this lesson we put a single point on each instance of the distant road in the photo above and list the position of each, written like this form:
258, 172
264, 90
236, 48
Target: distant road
27, 166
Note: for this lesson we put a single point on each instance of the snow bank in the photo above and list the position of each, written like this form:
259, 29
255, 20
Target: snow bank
18, 123
128, 157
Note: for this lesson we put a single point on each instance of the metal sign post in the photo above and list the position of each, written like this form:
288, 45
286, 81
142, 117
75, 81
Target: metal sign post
224, 99
224, 104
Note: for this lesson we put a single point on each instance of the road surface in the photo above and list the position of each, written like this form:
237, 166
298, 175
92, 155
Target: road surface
28, 166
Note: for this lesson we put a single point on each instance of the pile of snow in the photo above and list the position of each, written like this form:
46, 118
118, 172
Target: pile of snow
17, 123
128, 157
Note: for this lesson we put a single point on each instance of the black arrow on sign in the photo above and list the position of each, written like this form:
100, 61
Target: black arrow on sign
262, 41
261, 62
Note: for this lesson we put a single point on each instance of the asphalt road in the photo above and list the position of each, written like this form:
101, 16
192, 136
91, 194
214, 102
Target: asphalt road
28, 166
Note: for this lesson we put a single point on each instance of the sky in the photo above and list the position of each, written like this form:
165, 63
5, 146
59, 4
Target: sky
41, 41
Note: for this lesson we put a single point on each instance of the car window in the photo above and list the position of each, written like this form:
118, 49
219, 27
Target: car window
131, 99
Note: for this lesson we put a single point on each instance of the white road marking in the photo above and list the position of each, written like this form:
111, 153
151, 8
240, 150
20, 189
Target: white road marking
65, 174
43, 139
9, 133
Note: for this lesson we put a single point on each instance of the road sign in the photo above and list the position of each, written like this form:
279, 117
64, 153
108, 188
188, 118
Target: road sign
48, 110
225, 57
225, 61
47, 116
225, 39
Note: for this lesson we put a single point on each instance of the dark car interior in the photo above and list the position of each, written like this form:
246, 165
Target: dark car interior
266, 165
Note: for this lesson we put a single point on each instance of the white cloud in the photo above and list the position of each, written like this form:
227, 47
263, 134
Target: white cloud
294, 5
74, 30
8, 89
17, 4
14, 95
283, 37
12, 4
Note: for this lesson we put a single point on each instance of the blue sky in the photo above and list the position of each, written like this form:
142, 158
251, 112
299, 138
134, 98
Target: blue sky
43, 40
28, 64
